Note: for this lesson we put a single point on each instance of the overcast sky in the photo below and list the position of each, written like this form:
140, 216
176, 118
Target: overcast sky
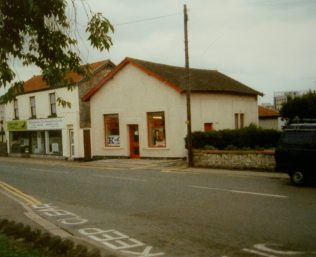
269, 45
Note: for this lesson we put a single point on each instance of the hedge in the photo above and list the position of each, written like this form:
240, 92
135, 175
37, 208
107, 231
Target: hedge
47, 244
250, 137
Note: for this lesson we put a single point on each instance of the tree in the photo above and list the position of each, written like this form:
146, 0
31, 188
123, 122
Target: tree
38, 32
300, 108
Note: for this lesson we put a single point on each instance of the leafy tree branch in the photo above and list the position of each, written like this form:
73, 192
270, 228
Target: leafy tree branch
37, 32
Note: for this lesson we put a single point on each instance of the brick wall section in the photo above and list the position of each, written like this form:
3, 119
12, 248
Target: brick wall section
241, 160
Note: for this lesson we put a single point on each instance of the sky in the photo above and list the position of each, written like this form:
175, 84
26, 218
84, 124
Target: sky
269, 45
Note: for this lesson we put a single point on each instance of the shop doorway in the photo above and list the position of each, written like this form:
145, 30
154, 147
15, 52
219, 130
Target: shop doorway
133, 141
72, 142
87, 144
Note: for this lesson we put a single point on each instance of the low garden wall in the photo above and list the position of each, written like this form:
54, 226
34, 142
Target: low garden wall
232, 159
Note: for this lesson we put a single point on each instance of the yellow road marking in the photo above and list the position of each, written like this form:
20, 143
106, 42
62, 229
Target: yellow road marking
27, 198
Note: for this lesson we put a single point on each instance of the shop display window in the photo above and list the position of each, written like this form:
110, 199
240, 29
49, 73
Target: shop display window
156, 129
55, 145
20, 142
111, 130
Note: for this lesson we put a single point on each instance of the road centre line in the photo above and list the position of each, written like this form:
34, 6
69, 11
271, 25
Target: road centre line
27, 198
7, 166
121, 178
51, 171
240, 192
258, 253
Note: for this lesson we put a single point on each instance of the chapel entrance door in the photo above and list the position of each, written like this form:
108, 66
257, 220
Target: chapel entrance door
134, 141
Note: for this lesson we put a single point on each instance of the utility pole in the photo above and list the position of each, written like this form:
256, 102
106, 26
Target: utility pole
188, 91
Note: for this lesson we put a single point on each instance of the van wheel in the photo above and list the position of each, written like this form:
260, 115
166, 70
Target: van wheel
297, 178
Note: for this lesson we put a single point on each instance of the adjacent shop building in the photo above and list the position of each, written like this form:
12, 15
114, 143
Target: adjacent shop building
36, 125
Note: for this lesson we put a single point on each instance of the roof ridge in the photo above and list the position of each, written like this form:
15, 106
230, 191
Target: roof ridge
36, 82
168, 65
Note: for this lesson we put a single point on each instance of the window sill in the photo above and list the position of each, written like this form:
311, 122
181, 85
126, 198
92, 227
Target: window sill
113, 148
156, 148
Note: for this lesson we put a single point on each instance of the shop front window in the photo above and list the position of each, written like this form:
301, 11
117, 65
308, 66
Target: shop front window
55, 145
111, 130
20, 142
156, 129
37, 145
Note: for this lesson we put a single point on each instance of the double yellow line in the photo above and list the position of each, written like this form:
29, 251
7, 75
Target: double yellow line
19, 194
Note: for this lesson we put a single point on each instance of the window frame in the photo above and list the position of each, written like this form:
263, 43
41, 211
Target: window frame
208, 126
105, 127
33, 107
161, 131
239, 120
52, 104
16, 109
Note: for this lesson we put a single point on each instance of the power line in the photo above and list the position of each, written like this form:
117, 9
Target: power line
147, 19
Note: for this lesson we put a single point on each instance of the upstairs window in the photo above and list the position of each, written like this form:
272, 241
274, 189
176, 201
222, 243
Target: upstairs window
52, 103
156, 129
112, 130
16, 109
33, 107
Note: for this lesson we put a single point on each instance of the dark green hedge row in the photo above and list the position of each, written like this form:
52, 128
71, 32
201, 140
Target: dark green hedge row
250, 137
50, 245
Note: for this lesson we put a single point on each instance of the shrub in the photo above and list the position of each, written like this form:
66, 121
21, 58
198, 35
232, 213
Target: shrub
250, 137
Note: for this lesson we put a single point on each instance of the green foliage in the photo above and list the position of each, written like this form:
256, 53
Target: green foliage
300, 108
246, 138
10, 249
39, 33
61, 101
99, 27
18, 240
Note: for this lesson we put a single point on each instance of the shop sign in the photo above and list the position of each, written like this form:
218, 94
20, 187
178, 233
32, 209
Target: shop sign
113, 140
45, 124
16, 125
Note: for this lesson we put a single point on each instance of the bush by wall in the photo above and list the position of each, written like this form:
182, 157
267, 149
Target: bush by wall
250, 137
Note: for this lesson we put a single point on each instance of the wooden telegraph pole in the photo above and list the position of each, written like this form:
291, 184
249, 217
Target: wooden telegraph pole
188, 91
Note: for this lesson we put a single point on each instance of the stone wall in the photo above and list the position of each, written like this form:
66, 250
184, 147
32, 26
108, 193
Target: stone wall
242, 160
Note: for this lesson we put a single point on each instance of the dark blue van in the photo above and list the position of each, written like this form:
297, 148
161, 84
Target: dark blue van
295, 153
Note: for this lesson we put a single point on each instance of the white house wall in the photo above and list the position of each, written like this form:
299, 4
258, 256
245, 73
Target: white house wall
132, 93
219, 109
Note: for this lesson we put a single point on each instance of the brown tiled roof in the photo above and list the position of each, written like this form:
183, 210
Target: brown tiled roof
36, 83
267, 113
200, 80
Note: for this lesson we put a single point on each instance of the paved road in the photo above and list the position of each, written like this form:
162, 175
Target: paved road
153, 210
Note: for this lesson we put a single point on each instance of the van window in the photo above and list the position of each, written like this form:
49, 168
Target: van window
298, 137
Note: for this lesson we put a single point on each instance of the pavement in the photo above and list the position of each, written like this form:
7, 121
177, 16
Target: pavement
13, 207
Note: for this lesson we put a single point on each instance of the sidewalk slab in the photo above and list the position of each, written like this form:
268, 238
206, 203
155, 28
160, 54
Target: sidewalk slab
165, 165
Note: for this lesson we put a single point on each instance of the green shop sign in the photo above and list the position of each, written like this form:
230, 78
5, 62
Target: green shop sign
17, 125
